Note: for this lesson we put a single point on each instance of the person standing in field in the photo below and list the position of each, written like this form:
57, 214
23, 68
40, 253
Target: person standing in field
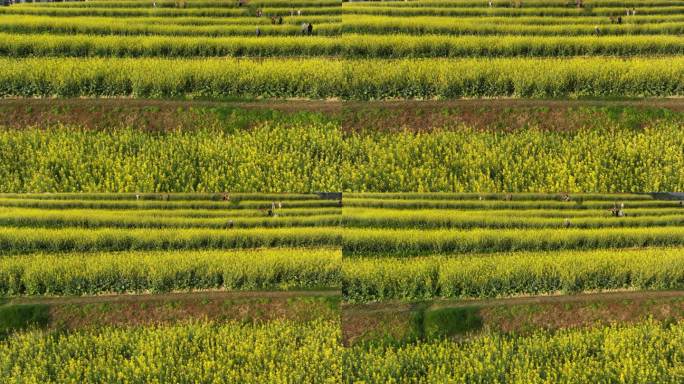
309, 29
258, 32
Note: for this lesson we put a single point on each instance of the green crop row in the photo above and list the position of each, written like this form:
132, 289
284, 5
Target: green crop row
504, 275
181, 26
468, 220
60, 219
647, 352
189, 4
115, 24
27, 240
170, 204
370, 46
347, 79
531, 78
138, 272
413, 242
505, 204
348, 46
512, 3
597, 160
164, 78
144, 213
408, 25
206, 352
428, 22
330, 27
489, 196
175, 46
171, 12
235, 198
277, 157
389, 10
416, 214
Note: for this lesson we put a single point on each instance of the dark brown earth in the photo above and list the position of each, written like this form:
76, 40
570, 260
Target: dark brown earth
505, 115
380, 116
517, 315
69, 313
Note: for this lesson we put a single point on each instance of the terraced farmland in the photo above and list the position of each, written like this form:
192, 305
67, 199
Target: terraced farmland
435, 282
417, 191
193, 270
355, 50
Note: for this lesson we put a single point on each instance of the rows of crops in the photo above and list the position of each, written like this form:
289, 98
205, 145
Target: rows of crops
166, 248
326, 78
307, 152
422, 246
81, 49
429, 260
517, 29
162, 243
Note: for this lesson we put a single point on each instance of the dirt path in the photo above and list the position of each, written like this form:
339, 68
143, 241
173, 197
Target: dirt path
547, 299
179, 296
386, 116
676, 103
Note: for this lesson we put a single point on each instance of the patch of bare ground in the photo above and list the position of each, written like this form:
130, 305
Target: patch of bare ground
506, 115
518, 315
147, 115
69, 313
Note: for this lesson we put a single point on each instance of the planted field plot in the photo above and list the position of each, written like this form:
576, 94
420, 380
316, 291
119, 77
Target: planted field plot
236, 352
463, 146
173, 278
512, 46
342, 50
120, 147
644, 352
512, 146
514, 288
91, 244
415, 247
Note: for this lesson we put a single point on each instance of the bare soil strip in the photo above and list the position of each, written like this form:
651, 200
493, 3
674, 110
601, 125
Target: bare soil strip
181, 296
